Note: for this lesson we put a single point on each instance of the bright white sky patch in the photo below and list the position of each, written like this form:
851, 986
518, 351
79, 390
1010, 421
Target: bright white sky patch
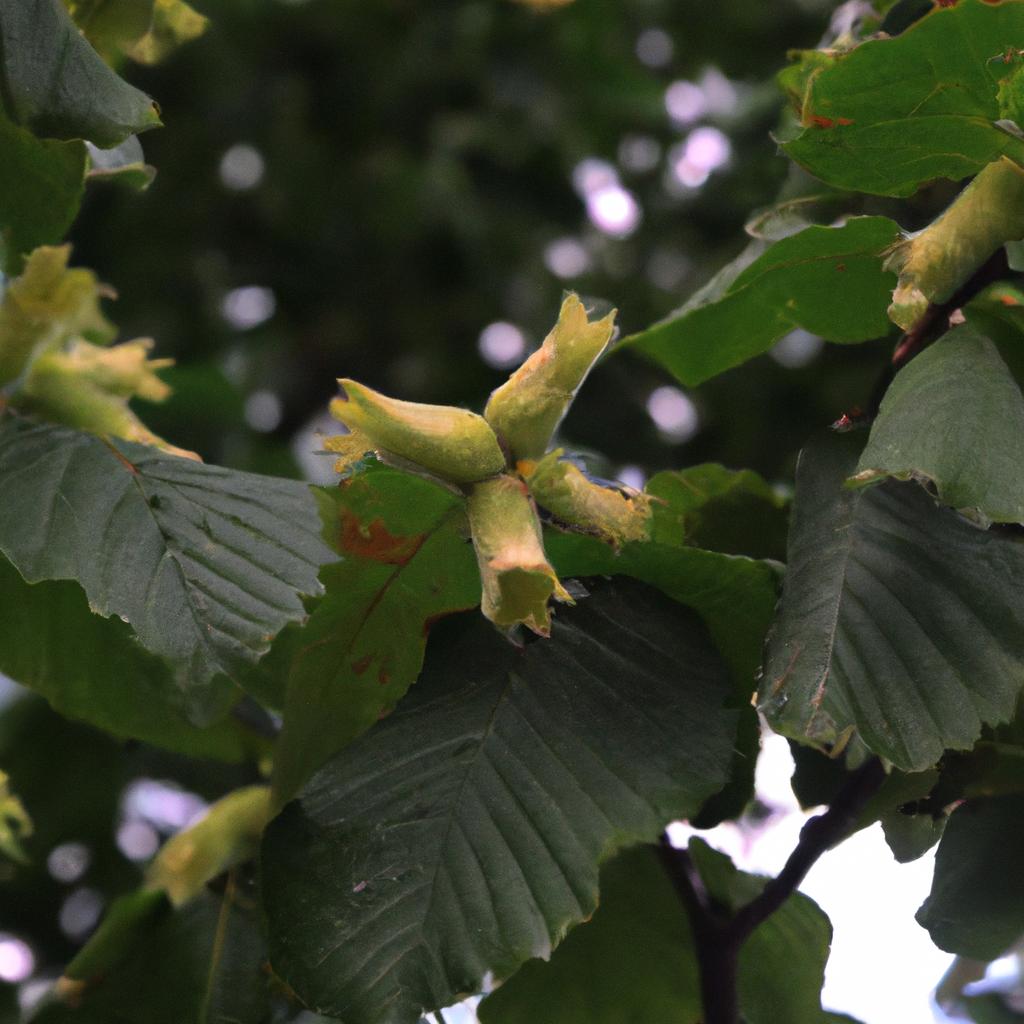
685, 102
501, 345
566, 257
673, 413
632, 476
241, 167
614, 210
16, 959
68, 862
248, 307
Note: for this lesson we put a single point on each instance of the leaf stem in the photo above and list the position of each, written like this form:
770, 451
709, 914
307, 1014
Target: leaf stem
720, 933
935, 319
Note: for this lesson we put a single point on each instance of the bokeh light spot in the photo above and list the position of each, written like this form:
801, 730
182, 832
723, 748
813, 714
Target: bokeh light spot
673, 413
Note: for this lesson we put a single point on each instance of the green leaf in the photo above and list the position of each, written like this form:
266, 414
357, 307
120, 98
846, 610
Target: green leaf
734, 595
893, 114
406, 564
782, 965
200, 964
962, 384
206, 564
900, 803
708, 506
991, 1009
41, 186
828, 281
90, 668
124, 164
635, 960
463, 834
57, 86
899, 622
976, 905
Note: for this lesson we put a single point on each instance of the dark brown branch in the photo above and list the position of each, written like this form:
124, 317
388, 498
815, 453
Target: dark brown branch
716, 949
719, 934
818, 835
935, 319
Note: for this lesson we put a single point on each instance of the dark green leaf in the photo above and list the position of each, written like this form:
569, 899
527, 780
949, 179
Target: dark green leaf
708, 506
635, 962
973, 460
41, 185
976, 906
406, 564
463, 834
782, 965
828, 281
734, 595
893, 114
206, 564
910, 827
57, 86
900, 622
89, 667
199, 964
991, 1009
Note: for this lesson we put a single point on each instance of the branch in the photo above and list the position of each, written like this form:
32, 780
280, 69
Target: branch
717, 949
934, 320
818, 835
719, 934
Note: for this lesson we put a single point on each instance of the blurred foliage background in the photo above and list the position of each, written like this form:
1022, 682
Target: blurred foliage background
400, 192
351, 189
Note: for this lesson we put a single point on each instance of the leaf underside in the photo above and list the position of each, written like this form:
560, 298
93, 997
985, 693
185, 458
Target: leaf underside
206, 564
828, 281
900, 621
974, 458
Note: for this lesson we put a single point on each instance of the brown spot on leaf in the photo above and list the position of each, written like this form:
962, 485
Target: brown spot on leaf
1008, 300
375, 542
362, 664
818, 121
840, 266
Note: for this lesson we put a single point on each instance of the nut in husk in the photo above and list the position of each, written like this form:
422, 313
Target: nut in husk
935, 262
453, 444
517, 578
526, 410
565, 491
